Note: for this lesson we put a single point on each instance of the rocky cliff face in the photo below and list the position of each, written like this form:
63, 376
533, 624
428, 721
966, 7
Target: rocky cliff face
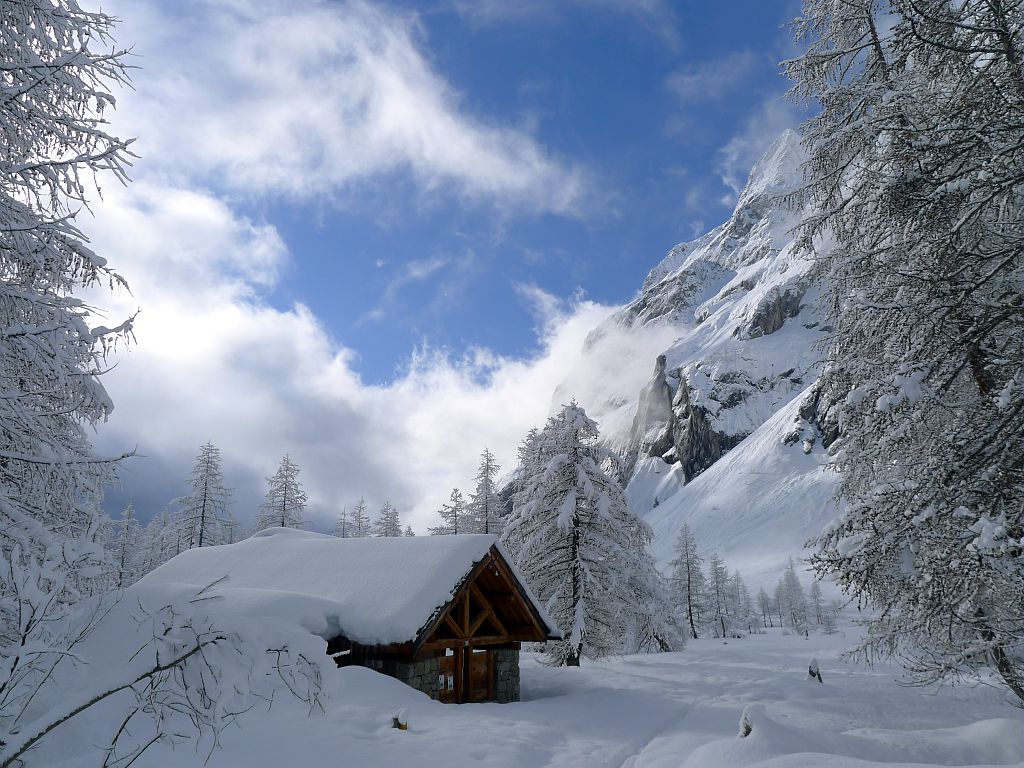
743, 315
736, 313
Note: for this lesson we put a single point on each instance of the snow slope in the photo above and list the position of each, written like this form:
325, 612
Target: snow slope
756, 506
656, 711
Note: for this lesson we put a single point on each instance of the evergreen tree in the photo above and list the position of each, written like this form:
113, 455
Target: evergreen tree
764, 605
409, 531
342, 526
388, 522
793, 601
454, 517
484, 505
574, 538
360, 521
203, 515
55, 148
126, 549
742, 606
285, 499
157, 542
718, 616
688, 579
915, 175
817, 602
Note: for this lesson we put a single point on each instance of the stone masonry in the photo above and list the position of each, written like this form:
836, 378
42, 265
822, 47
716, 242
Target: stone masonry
506, 675
421, 675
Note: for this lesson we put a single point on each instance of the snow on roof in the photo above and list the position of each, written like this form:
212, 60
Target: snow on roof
371, 590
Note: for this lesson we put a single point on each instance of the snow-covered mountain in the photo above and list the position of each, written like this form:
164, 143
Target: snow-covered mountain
725, 435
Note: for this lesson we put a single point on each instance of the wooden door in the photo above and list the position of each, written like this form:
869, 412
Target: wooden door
479, 683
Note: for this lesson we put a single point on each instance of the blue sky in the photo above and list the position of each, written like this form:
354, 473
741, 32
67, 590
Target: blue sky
642, 102
375, 235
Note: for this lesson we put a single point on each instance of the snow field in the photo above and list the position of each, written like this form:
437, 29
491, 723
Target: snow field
655, 711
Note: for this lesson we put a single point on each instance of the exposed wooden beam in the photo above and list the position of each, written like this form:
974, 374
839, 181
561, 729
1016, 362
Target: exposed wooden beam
485, 604
453, 624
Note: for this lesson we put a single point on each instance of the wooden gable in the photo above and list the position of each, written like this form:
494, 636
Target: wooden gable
490, 608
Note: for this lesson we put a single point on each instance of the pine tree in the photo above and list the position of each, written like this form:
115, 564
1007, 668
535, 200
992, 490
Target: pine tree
484, 506
688, 579
454, 517
203, 515
742, 605
817, 602
574, 538
718, 616
915, 176
409, 531
764, 605
793, 601
127, 545
360, 521
157, 542
285, 499
387, 523
55, 151
342, 526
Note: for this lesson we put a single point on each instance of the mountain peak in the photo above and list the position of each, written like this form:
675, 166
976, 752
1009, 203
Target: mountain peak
777, 171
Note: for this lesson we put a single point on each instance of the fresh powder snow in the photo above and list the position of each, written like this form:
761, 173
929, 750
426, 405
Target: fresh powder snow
372, 590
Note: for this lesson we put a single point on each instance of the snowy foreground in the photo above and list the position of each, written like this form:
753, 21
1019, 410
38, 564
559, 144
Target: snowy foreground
680, 709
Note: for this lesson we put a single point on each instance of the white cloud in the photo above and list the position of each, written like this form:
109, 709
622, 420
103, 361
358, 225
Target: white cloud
656, 15
213, 361
714, 79
319, 98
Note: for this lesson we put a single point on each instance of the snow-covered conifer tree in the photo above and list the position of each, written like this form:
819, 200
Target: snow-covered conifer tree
285, 498
360, 521
454, 517
203, 515
409, 531
915, 175
764, 606
55, 147
342, 526
574, 538
718, 615
793, 601
817, 602
127, 548
741, 604
688, 579
484, 505
387, 522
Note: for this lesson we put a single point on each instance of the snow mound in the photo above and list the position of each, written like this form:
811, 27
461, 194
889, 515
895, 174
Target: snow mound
372, 590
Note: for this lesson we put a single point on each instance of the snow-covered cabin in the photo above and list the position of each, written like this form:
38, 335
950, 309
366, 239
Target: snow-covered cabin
444, 614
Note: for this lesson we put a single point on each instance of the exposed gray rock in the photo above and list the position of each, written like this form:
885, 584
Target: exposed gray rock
697, 444
777, 307
654, 421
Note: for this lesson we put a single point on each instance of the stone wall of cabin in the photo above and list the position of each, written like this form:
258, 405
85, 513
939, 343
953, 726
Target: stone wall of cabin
506, 675
421, 675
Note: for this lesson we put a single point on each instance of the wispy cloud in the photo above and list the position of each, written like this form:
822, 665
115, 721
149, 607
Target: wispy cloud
321, 98
714, 79
657, 16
